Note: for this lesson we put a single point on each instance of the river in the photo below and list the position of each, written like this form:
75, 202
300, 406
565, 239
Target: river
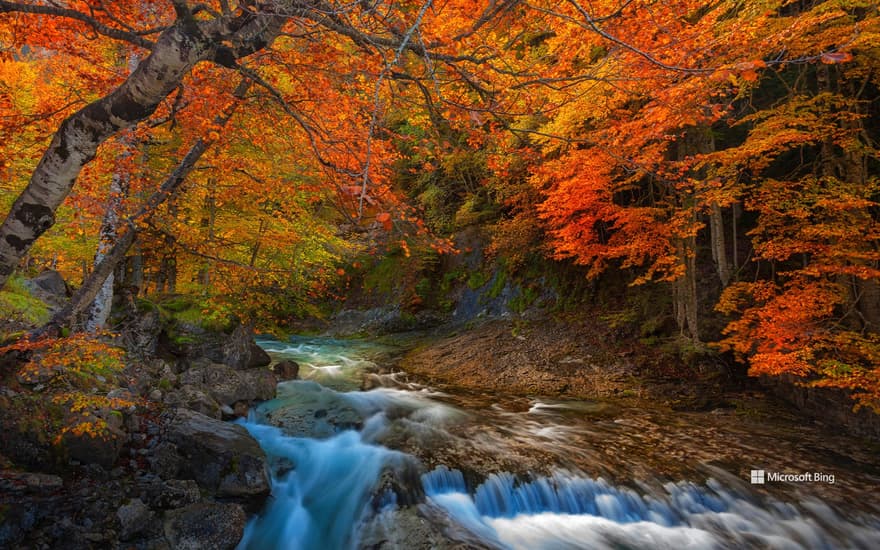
410, 466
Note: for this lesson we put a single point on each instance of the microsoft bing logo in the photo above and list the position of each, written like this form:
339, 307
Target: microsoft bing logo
757, 477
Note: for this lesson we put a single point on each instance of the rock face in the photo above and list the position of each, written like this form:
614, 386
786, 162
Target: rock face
205, 525
828, 405
381, 320
223, 458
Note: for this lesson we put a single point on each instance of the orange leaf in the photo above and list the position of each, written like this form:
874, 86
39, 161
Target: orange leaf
832, 58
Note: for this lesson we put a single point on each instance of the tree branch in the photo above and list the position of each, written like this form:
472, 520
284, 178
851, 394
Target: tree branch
97, 26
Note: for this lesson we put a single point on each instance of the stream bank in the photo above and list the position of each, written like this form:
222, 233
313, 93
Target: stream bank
576, 357
142, 457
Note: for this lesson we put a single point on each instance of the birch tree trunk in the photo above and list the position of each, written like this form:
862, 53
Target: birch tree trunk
76, 141
92, 284
177, 50
99, 311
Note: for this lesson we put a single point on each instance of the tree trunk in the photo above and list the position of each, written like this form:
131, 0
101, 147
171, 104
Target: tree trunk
719, 248
178, 49
134, 271
685, 291
93, 283
76, 141
99, 311
736, 211
208, 222
91, 286
255, 250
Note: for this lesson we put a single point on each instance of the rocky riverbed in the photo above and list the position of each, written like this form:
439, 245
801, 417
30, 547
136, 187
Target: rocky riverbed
169, 471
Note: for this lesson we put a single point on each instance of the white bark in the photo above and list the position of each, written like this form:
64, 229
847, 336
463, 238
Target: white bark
99, 311
175, 53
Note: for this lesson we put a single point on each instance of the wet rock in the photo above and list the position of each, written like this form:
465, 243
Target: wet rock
241, 409
286, 370
134, 518
261, 382
315, 412
242, 352
401, 482
223, 458
205, 525
416, 528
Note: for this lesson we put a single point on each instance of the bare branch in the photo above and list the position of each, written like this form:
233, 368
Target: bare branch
97, 26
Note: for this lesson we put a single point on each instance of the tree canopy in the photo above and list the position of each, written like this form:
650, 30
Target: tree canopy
726, 150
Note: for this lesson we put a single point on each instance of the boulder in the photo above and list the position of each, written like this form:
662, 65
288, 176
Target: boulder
205, 525
164, 460
50, 287
261, 383
134, 518
174, 493
227, 386
314, 411
242, 352
194, 399
422, 527
223, 458
286, 370
103, 449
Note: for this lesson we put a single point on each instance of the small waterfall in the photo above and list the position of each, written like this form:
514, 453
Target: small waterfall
319, 502
565, 510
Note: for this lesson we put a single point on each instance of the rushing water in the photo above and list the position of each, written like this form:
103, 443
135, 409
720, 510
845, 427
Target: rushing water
351, 468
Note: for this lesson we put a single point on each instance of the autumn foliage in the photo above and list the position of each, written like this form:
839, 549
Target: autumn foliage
725, 151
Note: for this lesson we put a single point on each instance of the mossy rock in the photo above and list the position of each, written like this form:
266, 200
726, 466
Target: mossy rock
18, 304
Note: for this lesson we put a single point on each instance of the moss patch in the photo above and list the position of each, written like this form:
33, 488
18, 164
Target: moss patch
17, 304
